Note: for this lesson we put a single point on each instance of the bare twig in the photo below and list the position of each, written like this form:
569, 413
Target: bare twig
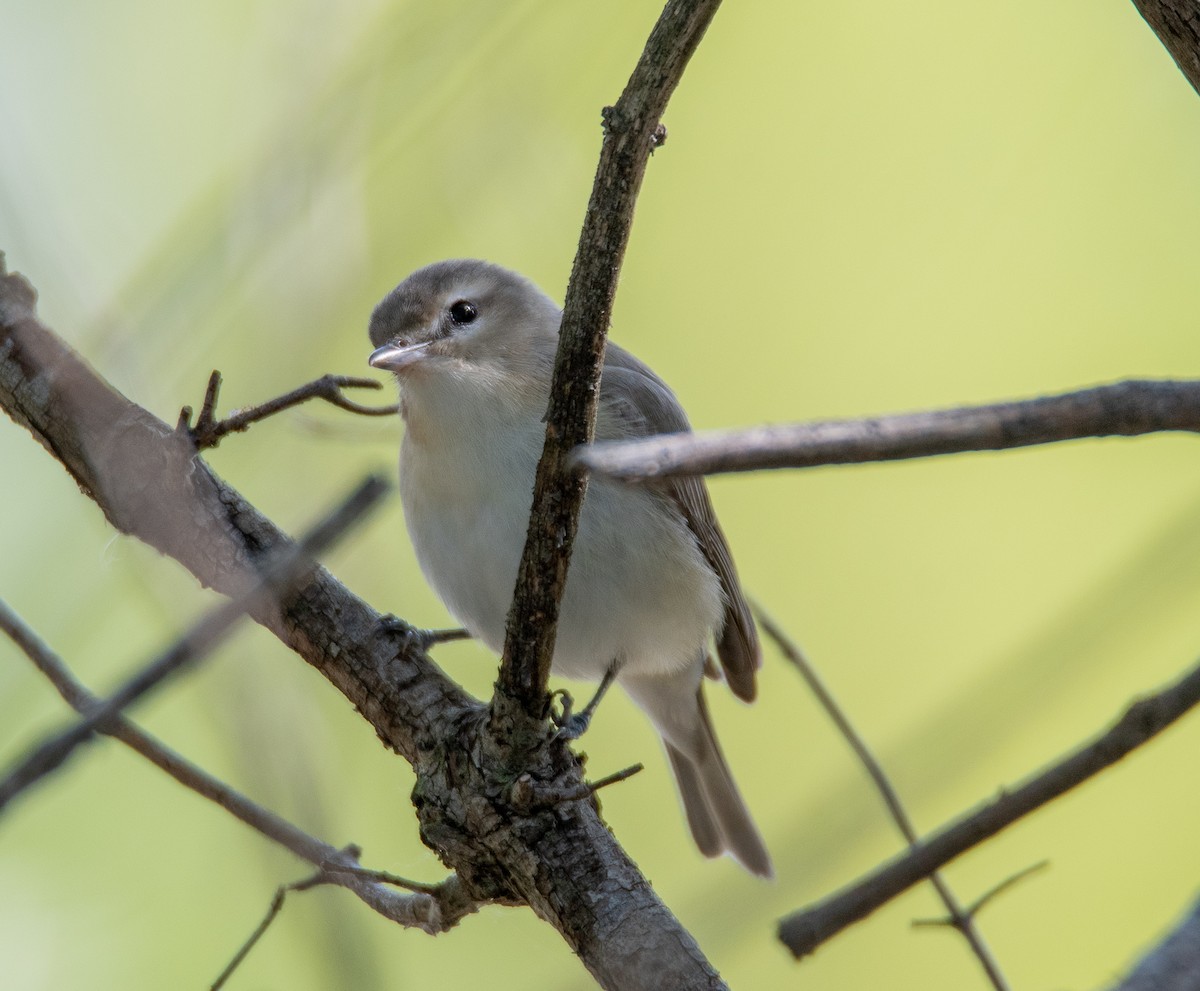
1122, 409
977, 906
447, 898
341, 866
520, 704
803, 931
201, 638
260, 930
208, 430
526, 794
961, 919
383, 877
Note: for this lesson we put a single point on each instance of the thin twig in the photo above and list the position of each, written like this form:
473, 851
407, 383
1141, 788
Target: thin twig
382, 877
977, 906
1122, 409
520, 704
446, 900
526, 795
260, 930
960, 919
208, 430
196, 642
805, 930
615, 778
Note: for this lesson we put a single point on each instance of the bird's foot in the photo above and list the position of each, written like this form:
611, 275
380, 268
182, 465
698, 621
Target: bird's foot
570, 725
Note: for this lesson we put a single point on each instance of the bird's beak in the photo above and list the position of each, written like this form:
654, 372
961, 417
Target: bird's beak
396, 357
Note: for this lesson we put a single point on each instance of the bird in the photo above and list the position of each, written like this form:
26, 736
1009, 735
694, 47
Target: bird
651, 582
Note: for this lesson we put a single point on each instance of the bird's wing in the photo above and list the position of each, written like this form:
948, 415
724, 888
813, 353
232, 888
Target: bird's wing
634, 402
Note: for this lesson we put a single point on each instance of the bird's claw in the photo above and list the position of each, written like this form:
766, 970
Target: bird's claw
569, 725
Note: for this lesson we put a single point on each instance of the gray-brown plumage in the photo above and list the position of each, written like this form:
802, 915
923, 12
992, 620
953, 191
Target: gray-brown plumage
651, 578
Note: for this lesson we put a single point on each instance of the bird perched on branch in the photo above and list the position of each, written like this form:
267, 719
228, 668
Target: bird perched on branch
651, 578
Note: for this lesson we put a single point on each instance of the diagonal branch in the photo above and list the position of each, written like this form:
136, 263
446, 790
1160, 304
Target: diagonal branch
1177, 24
435, 909
631, 132
1122, 409
959, 918
1173, 964
196, 642
805, 930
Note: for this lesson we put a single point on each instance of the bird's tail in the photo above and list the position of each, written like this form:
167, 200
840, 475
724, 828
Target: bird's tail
715, 810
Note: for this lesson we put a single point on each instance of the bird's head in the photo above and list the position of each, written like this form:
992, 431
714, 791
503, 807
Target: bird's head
463, 317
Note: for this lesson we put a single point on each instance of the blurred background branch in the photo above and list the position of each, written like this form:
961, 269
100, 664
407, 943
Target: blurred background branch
275, 582
432, 911
962, 920
803, 931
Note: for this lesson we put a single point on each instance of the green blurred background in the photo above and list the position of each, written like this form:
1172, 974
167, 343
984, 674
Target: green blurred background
861, 209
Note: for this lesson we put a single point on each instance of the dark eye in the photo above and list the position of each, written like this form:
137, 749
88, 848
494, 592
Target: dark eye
463, 312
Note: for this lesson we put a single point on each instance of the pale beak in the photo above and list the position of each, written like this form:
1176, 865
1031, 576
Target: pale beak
395, 357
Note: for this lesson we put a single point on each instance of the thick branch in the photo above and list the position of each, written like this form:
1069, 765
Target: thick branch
1173, 964
1177, 24
631, 132
803, 931
1123, 409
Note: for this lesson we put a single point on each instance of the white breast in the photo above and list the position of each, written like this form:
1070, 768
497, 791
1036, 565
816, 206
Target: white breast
638, 589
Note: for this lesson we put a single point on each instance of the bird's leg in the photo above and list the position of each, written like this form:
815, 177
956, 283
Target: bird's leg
571, 726
413, 636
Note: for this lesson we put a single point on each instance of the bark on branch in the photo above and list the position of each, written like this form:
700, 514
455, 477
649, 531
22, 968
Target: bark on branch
1177, 24
631, 132
1173, 964
1124, 409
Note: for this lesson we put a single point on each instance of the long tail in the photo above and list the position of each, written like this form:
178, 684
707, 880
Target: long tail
715, 809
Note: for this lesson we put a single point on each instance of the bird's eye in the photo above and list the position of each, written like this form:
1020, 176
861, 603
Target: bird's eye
463, 312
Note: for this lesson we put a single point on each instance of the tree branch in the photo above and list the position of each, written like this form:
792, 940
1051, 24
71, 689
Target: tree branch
208, 430
1121, 409
961, 919
435, 909
803, 931
1173, 964
631, 132
194, 644
1177, 24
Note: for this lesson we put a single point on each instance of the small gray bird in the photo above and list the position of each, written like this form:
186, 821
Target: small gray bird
651, 577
